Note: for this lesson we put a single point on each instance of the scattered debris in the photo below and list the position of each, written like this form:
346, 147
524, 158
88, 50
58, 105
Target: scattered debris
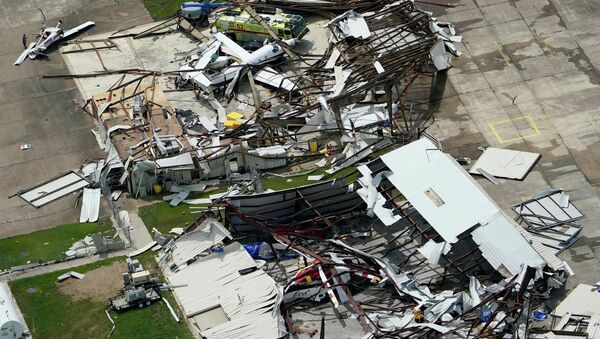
69, 275
171, 309
54, 189
550, 217
112, 322
90, 206
505, 163
142, 250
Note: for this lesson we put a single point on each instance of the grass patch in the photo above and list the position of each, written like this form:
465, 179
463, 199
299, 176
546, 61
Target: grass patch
281, 183
46, 245
49, 313
162, 9
164, 217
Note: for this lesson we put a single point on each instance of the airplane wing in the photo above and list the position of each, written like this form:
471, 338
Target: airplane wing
234, 49
208, 55
23, 55
270, 77
233, 82
78, 29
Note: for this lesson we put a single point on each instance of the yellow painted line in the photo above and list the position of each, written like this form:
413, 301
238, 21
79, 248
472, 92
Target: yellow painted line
529, 120
545, 47
501, 51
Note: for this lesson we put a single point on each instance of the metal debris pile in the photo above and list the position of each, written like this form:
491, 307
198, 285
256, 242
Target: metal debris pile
403, 243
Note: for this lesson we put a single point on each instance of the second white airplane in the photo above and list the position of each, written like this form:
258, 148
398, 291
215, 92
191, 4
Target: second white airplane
203, 71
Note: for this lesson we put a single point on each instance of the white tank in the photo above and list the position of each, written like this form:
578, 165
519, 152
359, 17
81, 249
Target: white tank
10, 326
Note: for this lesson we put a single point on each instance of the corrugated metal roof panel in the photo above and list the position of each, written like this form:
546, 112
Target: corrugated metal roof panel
452, 202
90, 205
512, 251
441, 192
54, 189
593, 329
505, 163
250, 301
191, 244
583, 300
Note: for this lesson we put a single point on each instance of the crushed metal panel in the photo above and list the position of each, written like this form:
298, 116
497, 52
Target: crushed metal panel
90, 205
251, 301
550, 217
181, 196
271, 77
583, 300
190, 245
54, 189
420, 167
433, 251
546, 209
350, 24
439, 56
505, 163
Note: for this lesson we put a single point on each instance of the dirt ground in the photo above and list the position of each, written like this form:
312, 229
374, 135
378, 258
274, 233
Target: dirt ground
99, 284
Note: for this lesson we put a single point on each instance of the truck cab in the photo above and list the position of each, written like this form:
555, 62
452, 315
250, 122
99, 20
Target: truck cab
239, 26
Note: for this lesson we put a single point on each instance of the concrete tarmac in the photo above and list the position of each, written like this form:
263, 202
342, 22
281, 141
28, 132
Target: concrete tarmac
43, 112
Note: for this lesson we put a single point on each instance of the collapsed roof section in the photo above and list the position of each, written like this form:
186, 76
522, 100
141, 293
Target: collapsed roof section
309, 210
384, 50
225, 295
550, 218
453, 211
137, 119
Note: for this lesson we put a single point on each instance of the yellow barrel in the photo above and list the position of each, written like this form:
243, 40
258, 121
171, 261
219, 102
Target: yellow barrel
157, 188
313, 145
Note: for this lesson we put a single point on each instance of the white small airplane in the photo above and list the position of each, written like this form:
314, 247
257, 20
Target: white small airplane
202, 72
48, 36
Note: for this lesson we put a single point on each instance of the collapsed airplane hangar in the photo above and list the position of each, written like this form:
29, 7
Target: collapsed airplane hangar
364, 80
390, 248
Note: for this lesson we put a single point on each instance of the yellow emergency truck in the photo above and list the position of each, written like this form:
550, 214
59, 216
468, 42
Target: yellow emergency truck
241, 27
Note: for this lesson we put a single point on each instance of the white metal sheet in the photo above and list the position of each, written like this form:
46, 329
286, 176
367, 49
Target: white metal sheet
509, 253
505, 163
90, 205
55, 189
593, 328
271, 77
250, 301
422, 173
452, 203
180, 160
583, 300
191, 244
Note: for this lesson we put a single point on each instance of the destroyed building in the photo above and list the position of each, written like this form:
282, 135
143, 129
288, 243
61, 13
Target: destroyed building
404, 245
373, 83
396, 250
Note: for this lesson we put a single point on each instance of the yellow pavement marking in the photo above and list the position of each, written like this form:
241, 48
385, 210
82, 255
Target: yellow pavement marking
545, 47
527, 118
501, 51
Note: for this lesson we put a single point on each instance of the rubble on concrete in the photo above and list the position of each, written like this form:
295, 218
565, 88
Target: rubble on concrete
550, 217
391, 234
